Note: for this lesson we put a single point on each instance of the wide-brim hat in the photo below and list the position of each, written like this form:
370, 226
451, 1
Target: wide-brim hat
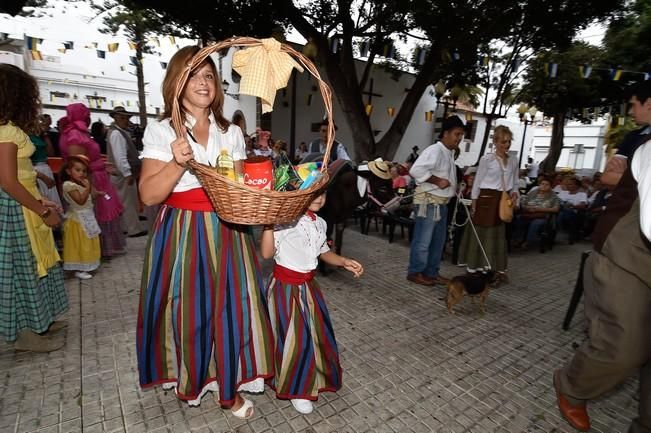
121, 111
380, 168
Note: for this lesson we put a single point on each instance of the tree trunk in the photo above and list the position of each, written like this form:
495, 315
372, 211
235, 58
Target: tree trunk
484, 141
548, 165
142, 103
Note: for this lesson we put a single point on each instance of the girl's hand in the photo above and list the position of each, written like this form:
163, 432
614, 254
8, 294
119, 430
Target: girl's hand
85, 183
52, 205
354, 266
182, 151
514, 196
97, 193
49, 182
52, 220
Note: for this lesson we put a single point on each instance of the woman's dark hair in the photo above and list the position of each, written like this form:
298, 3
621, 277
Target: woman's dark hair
98, 134
545, 178
20, 102
175, 69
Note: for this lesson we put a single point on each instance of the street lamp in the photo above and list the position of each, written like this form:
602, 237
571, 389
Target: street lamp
523, 111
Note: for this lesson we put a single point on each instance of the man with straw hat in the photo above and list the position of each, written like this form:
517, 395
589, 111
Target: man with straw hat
436, 179
122, 153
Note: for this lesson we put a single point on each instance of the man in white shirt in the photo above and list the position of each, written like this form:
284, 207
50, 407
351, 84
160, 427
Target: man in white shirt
338, 150
532, 169
436, 178
122, 153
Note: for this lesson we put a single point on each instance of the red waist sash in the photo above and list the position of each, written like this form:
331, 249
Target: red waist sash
285, 275
194, 199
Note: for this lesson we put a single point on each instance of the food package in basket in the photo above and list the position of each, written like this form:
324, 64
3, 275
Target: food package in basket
305, 170
258, 172
285, 176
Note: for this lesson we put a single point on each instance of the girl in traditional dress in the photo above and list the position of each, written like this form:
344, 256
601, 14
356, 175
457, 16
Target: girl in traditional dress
202, 323
76, 140
81, 249
32, 293
306, 356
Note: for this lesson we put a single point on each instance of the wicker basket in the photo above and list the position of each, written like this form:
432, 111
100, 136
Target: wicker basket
238, 203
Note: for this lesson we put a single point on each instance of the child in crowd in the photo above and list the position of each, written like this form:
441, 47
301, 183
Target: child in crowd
306, 355
81, 245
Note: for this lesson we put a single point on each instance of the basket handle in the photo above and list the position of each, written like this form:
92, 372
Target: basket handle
202, 55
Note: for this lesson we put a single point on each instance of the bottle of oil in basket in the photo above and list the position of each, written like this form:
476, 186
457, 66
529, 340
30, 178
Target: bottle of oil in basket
225, 165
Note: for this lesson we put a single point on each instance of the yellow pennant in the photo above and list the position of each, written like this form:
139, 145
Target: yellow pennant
113, 47
368, 109
391, 111
36, 55
428, 116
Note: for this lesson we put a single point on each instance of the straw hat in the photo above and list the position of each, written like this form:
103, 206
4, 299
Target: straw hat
120, 111
380, 168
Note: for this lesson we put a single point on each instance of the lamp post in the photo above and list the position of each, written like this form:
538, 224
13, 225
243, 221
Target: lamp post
527, 115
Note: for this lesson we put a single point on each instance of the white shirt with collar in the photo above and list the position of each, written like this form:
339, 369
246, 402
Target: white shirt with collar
436, 160
118, 145
160, 135
299, 245
642, 174
579, 197
490, 172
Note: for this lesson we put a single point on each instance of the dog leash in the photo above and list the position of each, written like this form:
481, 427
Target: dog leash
460, 199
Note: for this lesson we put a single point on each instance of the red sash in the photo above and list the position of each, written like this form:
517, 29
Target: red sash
288, 276
194, 200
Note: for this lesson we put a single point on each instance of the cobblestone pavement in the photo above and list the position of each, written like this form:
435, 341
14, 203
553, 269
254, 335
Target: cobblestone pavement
408, 365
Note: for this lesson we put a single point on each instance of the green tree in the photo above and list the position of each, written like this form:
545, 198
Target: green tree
442, 28
138, 24
565, 96
627, 39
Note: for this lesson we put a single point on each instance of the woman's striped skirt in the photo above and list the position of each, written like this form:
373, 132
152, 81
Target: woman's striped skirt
306, 355
202, 323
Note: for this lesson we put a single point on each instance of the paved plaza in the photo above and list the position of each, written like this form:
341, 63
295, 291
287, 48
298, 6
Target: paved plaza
408, 365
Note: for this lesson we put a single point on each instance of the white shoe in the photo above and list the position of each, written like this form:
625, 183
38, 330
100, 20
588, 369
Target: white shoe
83, 275
303, 406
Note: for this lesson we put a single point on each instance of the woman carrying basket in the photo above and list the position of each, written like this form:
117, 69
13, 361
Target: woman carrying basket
202, 323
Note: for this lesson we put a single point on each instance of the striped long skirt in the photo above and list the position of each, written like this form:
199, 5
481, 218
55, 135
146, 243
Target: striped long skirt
26, 301
305, 352
202, 322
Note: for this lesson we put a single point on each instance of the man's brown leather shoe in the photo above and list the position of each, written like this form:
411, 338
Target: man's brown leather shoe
576, 416
421, 279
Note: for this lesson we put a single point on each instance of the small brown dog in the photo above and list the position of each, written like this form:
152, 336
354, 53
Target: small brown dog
476, 284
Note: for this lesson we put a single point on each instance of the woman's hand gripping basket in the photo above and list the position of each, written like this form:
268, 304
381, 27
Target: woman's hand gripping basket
236, 202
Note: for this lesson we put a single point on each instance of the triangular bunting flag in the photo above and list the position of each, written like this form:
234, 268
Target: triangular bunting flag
36, 55
428, 116
69, 45
134, 60
101, 54
391, 111
132, 45
369, 109
551, 69
32, 43
172, 40
113, 47
163, 65
334, 45
585, 71
616, 74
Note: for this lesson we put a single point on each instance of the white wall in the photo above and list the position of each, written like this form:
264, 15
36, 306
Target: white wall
418, 132
590, 136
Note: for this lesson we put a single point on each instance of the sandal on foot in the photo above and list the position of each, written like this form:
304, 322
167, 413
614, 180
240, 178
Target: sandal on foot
245, 411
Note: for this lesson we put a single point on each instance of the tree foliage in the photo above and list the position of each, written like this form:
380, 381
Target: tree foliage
627, 38
568, 94
137, 23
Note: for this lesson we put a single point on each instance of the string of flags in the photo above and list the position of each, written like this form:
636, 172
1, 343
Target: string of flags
32, 44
